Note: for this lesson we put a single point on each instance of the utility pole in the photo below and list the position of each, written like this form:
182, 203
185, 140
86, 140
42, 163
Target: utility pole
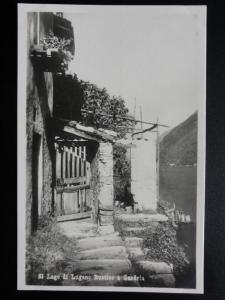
141, 122
134, 112
157, 160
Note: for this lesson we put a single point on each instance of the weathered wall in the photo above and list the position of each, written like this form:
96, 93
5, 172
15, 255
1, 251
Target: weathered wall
106, 174
101, 183
39, 109
143, 172
94, 186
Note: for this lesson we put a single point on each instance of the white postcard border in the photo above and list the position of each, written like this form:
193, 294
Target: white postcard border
21, 154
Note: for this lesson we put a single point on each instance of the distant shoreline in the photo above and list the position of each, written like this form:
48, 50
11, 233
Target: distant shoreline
178, 165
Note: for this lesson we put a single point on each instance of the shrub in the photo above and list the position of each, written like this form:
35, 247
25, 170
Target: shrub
106, 111
163, 246
121, 171
48, 251
61, 45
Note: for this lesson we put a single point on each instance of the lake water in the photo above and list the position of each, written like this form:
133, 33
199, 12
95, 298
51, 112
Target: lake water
178, 185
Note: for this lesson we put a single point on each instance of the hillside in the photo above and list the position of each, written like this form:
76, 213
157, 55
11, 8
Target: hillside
179, 145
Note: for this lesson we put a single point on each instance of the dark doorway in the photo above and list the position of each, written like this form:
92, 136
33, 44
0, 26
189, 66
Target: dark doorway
36, 182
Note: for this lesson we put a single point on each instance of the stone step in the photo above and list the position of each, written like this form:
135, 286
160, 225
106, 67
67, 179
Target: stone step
103, 266
154, 268
103, 283
133, 242
157, 274
137, 230
115, 282
135, 253
161, 280
99, 242
100, 283
106, 229
143, 218
81, 235
133, 230
78, 229
113, 252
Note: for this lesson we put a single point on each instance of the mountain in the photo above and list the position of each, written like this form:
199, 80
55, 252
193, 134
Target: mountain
179, 145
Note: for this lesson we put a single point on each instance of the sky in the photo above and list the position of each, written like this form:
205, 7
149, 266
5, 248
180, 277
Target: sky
154, 54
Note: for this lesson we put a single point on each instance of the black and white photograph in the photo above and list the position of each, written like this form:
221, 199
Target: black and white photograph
111, 148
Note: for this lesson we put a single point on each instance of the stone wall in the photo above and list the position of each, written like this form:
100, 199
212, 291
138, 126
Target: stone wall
38, 112
94, 186
101, 184
143, 171
106, 174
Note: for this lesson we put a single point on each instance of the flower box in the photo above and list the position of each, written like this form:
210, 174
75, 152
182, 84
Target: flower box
50, 60
53, 54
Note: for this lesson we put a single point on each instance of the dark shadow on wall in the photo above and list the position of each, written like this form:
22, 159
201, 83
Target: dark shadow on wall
35, 187
47, 121
68, 97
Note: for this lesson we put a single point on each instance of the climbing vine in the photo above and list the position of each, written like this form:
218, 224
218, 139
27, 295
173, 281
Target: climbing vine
122, 171
103, 111
106, 113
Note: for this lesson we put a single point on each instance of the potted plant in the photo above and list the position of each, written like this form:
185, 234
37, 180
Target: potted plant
53, 54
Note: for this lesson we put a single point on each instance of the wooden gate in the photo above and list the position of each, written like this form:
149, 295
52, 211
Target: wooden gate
72, 182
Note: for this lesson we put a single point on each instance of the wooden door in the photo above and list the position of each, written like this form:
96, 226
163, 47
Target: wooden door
72, 182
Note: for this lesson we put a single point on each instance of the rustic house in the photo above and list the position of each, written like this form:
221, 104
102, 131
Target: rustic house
41, 64
69, 166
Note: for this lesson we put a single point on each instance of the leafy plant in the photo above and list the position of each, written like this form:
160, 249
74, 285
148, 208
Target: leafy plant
48, 251
50, 41
99, 110
121, 170
163, 246
102, 111
61, 45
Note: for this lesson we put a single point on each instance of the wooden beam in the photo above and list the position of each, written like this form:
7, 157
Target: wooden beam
157, 163
72, 180
72, 165
63, 163
80, 134
68, 163
58, 164
125, 118
71, 189
77, 216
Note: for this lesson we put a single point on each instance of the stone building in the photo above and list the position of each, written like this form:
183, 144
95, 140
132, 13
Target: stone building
40, 158
69, 167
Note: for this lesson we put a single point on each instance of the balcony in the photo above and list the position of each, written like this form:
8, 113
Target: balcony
55, 48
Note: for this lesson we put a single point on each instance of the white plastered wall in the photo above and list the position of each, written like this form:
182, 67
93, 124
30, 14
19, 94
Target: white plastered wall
143, 171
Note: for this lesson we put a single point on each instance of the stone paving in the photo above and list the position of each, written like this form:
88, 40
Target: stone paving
107, 259
100, 254
157, 274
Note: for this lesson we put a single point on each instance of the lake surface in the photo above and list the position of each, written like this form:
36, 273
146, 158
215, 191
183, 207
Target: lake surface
178, 184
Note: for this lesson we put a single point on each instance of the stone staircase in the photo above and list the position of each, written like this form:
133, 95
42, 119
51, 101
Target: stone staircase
156, 274
104, 258
100, 254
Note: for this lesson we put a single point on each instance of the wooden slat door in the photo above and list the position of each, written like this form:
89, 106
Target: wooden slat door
72, 181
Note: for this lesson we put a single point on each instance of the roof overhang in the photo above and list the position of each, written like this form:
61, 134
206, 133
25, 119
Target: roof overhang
80, 132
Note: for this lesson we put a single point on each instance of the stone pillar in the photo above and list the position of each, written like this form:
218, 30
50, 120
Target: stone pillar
143, 171
105, 168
